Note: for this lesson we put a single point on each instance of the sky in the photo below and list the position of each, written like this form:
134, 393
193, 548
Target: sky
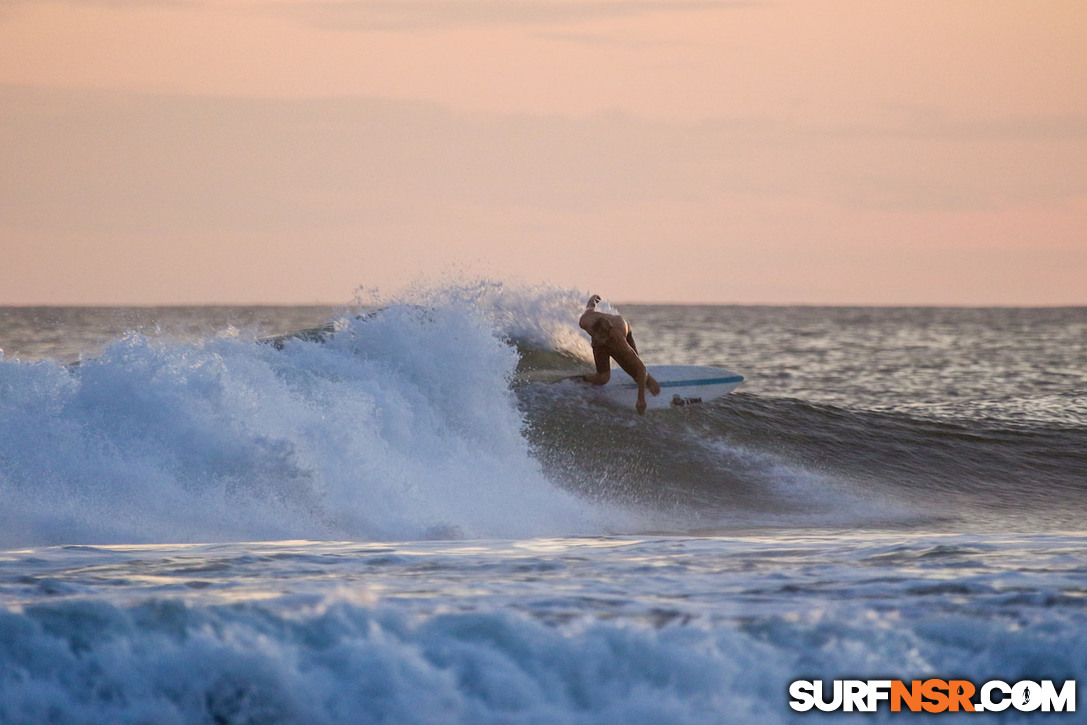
929, 152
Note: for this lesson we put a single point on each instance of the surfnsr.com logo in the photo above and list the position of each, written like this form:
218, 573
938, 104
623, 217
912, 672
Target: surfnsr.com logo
933, 696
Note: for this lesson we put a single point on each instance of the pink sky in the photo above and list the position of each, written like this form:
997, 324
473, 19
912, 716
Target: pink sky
797, 151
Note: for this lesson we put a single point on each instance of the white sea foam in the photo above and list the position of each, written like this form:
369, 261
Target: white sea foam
620, 630
167, 663
402, 426
543, 316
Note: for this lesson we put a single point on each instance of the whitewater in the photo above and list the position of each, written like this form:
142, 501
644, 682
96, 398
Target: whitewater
393, 513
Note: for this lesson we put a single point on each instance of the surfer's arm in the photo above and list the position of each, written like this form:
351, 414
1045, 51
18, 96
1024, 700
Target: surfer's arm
630, 341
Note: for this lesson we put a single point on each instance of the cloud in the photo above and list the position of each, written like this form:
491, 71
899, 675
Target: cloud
110, 3
113, 162
332, 188
429, 14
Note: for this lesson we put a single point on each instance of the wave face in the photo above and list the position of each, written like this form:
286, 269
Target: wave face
749, 461
439, 415
400, 425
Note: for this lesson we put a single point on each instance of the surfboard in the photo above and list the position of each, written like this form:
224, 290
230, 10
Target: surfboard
681, 386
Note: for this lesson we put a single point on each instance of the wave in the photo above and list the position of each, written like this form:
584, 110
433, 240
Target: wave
432, 416
341, 662
400, 426
751, 460
640, 630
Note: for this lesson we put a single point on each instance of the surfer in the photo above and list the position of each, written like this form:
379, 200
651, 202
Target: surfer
612, 339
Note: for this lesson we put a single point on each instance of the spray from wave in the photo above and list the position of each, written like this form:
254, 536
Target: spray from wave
400, 425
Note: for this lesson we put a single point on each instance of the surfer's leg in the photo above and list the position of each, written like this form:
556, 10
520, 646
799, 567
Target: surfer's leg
652, 384
630, 362
635, 368
635, 364
603, 367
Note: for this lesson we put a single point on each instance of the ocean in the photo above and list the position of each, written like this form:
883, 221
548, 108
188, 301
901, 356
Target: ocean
398, 516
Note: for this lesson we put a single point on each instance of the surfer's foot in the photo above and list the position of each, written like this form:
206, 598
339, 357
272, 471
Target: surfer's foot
640, 407
653, 385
